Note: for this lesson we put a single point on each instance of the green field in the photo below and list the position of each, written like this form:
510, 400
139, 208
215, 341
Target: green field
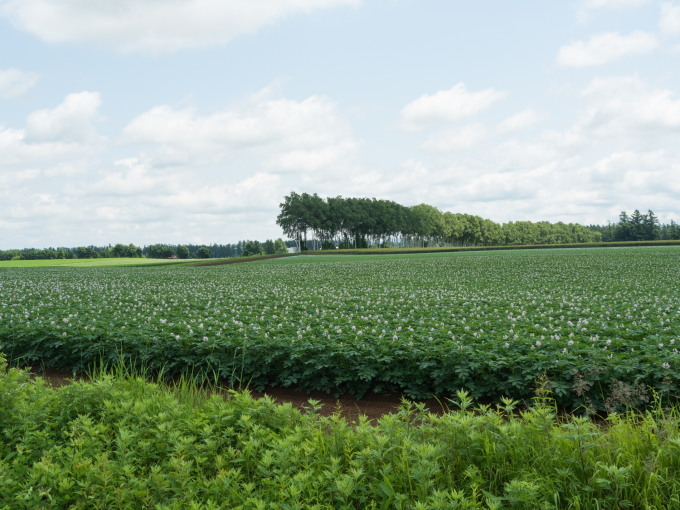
112, 262
603, 325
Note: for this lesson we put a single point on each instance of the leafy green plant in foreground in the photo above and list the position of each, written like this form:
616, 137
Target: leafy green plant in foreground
121, 442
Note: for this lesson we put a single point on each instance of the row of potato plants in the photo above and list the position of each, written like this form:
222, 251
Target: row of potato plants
603, 324
122, 442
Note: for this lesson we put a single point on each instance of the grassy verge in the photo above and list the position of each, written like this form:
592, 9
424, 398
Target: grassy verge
112, 262
132, 262
122, 442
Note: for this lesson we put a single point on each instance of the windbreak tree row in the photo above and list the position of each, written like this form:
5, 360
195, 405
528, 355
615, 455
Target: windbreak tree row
338, 222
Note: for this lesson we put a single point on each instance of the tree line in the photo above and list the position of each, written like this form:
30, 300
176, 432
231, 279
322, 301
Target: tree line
240, 249
338, 222
638, 227
80, 252
157, 251
312, 222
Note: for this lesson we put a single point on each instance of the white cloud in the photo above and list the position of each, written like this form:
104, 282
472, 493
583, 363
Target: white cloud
619, 113
622, 105
518, 121
613, 4
642, 180
512, 155
14, 82
300, 160
310, 133
67, 169
670, 18
495, 186
587, 6
130, 177
255, 193
133, 182
17, 179
609, 160
446, 106
606, 47
71, 121
473, 188
453, 139
153, 25
17, 151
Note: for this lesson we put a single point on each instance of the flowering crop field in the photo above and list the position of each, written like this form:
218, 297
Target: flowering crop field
601, 327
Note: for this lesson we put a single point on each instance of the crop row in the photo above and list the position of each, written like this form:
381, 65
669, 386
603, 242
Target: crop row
603, 325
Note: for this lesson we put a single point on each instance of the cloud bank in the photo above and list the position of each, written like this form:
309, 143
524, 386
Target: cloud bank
603, 48
156, 26
14, 83
446, 106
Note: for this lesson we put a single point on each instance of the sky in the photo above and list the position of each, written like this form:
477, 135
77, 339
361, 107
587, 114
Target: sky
189, 121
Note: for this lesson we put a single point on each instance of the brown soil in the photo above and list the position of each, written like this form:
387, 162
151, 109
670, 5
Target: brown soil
238, 260
372, 406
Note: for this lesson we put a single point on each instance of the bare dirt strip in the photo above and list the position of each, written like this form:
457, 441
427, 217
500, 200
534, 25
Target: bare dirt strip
372, 406
222, 262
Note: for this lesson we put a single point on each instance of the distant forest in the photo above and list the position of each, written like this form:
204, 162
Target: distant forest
158, 251
314, 223
637, 227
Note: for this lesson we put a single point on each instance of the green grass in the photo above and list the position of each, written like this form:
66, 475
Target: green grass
122, 442
108, 262
122, 262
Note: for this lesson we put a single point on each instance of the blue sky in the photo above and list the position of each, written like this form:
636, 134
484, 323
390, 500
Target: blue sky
188, 121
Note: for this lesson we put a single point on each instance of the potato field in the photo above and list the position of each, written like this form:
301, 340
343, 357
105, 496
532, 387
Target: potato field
600, 327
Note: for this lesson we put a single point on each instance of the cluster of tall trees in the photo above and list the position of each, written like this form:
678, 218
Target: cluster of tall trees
363, 222
158, 251
638, 227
